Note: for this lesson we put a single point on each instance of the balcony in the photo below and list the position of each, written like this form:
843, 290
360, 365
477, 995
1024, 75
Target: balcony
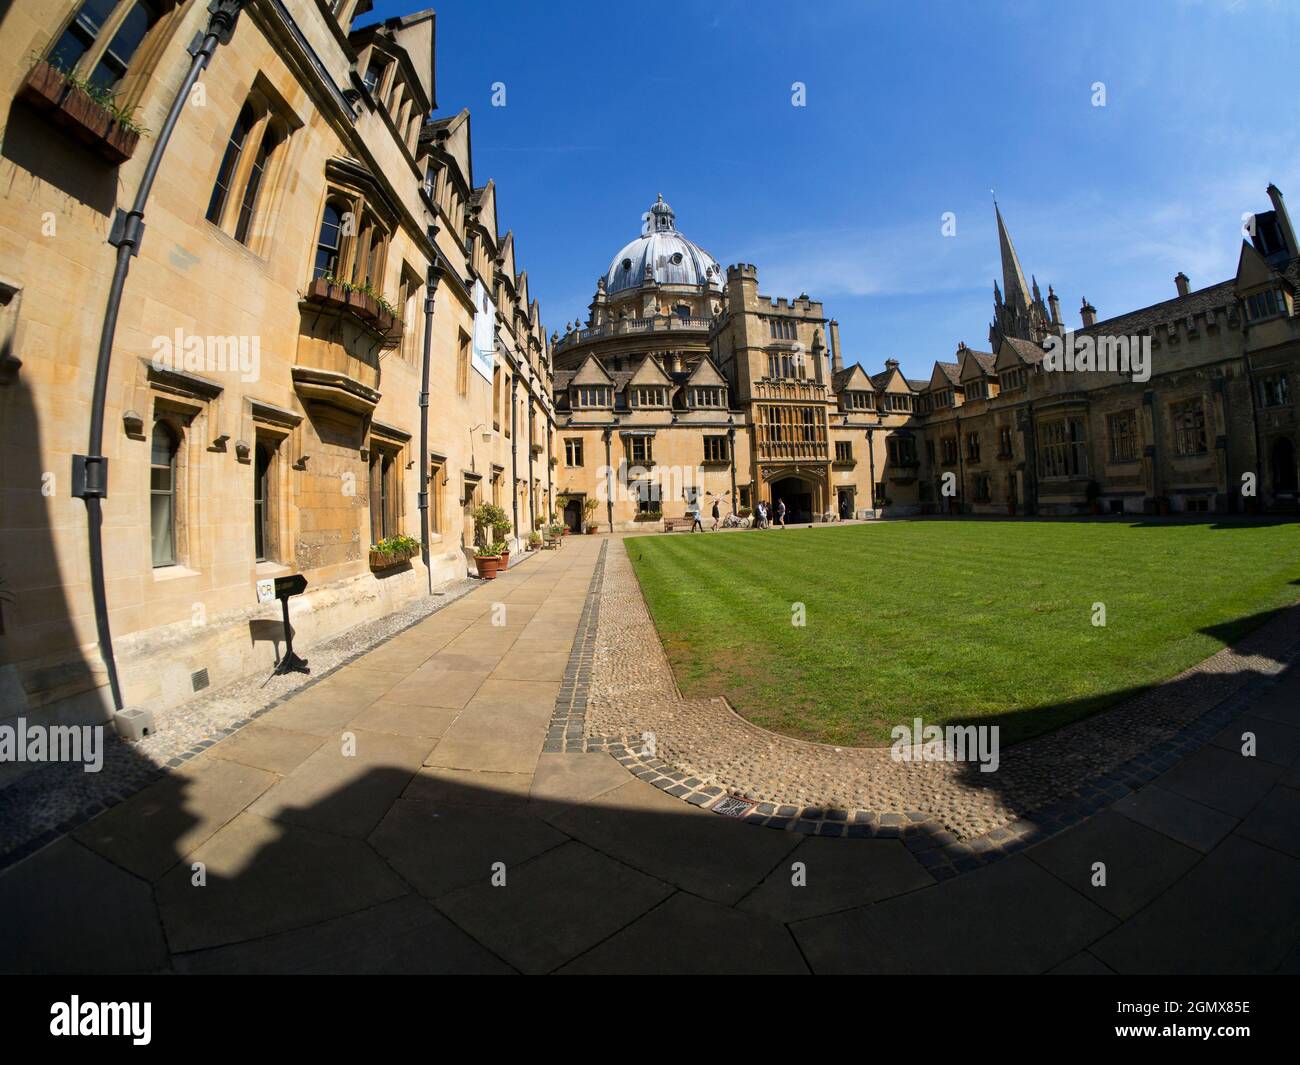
634, 327
365, 308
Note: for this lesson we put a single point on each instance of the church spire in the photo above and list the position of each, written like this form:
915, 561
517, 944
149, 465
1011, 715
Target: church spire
1015, 291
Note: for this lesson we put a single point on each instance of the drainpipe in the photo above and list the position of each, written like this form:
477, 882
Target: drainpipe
514, 450
871, 459
90, 471
431, 286
609, 486
532, 500
550, 487
731, 448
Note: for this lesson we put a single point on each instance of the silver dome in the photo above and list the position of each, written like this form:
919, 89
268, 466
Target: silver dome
674, 259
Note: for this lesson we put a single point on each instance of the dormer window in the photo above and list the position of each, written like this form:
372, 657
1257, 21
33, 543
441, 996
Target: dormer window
591, 396
857, 400
1012, 380
1266, 304
706, 397
898, 403
650, 396
374, 75
977, 390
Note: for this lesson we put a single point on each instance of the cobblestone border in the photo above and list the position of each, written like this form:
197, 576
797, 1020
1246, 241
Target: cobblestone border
9, 796
567, 731
936, 848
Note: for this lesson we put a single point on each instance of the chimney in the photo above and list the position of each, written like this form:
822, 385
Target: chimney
1283, 219
837, 360
1181, 281
891, 364
1088, 313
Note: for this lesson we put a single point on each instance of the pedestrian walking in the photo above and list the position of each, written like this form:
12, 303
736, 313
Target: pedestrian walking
693, 512
717, 514
780, 513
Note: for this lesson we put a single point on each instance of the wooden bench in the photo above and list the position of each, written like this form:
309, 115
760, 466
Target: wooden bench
549, 542
675, 524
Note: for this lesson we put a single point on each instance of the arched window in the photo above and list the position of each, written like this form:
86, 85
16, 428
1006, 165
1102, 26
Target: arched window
162, 494
229, 162
330, 241
77, 45
270, 141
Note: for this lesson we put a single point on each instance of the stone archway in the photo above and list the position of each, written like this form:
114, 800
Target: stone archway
799, 495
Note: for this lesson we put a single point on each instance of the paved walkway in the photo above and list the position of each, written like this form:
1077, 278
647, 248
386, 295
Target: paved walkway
401, 815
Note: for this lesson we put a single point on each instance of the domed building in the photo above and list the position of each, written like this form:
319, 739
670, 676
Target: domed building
684, 387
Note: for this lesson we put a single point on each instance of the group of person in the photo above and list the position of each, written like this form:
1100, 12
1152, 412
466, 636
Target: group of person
764, 516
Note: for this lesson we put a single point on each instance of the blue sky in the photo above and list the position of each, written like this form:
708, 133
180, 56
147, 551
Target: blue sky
912, 110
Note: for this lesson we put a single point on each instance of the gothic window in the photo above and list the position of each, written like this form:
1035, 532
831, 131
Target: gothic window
103, 37
1122, 430
1189, 427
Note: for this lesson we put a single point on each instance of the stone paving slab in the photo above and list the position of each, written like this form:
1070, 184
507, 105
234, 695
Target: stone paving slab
1011, 917
345, 793
668, 839
554, 907
406, 936
836, 875
1139, 863
67, 910
265, 877
437, 847
690, 936
157, 827
1185, 820
1221, 779
1238, 911
265, 746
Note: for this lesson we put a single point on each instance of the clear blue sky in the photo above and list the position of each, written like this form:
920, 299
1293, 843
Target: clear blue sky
913, 109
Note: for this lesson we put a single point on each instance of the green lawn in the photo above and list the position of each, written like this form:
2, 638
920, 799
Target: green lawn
987, 622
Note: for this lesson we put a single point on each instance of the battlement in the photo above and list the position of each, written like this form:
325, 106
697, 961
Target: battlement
740, 271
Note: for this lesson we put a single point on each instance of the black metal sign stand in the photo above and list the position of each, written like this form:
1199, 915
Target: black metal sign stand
284, 588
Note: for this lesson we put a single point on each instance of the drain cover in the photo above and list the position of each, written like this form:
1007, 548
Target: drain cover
733, 807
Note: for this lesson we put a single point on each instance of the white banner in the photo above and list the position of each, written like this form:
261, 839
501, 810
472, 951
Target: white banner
485, 332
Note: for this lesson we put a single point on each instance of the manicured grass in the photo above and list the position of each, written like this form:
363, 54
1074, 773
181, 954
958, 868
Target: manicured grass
953, 621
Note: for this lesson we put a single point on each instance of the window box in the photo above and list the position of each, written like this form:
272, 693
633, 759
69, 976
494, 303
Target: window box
326, 292
383, 557
363, 305
90, 121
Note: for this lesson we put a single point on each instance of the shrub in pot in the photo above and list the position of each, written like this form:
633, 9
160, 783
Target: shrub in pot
487, 559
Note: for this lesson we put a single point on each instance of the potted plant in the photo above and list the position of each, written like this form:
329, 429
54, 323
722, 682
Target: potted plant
1093, 494
501, 528
90, 112
534, 541
487, 517
589, 506
393, 551
487, 558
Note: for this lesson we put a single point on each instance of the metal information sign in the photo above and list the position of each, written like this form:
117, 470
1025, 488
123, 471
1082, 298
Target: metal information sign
295, 584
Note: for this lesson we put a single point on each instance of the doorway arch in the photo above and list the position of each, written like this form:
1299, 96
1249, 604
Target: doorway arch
797, 492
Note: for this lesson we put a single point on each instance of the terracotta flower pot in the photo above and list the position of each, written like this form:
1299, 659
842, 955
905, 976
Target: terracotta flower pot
487, 566
505, 561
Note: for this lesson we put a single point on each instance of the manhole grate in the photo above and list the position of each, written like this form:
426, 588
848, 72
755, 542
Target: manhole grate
733, 807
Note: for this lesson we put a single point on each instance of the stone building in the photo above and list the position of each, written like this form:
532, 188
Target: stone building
686, 384
1209, 425
263, 405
